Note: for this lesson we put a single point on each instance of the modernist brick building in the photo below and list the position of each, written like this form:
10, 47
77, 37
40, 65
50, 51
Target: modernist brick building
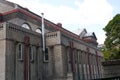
67, 57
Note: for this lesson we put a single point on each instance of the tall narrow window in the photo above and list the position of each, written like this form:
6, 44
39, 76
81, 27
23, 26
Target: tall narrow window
46, 56
31, 52
20, 51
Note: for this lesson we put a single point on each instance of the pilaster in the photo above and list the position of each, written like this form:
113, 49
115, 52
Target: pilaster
58, 63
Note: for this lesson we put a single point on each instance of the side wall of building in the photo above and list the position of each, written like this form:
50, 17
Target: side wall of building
69, 57
73, 59
2, 59
2, 52
111, 68
24, 67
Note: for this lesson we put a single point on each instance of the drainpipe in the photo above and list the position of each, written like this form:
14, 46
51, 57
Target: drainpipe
71, 57
27, 70
72, 60
44, 75
89, 63
97, 63
43, 33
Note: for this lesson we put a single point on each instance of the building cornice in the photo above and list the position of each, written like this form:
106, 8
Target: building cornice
47, 22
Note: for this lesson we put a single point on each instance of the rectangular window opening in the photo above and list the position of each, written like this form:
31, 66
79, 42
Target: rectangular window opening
20, 52
46, 55
31, 51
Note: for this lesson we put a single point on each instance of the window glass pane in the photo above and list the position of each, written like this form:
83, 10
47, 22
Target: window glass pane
38, 31
31, 51
20, 52
26, 26
46, 56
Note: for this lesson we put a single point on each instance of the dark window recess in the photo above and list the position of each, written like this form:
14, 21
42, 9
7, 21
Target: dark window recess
20, 52
1, 17
46, 56
31, 53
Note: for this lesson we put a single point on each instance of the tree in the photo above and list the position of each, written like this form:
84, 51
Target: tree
112, 41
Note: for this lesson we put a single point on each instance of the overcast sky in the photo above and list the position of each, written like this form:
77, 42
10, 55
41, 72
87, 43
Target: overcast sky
76, 14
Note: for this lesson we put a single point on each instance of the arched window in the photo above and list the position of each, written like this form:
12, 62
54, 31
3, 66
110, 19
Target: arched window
20, 51
26, 25
38, 30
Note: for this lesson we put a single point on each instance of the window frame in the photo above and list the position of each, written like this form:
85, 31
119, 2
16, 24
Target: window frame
46, 55
20, 51
26, 26
31, 53
38, 31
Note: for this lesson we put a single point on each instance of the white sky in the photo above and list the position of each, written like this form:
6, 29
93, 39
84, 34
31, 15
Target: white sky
75, 14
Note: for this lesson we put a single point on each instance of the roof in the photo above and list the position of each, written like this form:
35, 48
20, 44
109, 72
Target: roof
90, 34
83, 33
38, 18
47, 22
79, 31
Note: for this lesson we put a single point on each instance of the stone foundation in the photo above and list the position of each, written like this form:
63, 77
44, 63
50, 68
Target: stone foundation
111, 68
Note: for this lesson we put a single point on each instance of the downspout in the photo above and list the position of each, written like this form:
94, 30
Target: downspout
89, 63
72, 60
29, 65
97, 62
26, 66
44, 76
71, 57
78, 69
43, 33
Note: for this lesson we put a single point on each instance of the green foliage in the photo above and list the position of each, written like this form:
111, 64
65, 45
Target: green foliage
106, 53
112, 42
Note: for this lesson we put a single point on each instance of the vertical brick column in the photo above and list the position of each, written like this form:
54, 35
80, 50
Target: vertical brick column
2, 60
58, 62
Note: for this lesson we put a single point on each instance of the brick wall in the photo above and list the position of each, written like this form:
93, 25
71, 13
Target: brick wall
111, 68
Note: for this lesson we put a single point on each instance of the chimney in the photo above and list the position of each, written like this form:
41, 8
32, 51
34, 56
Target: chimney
59, 25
